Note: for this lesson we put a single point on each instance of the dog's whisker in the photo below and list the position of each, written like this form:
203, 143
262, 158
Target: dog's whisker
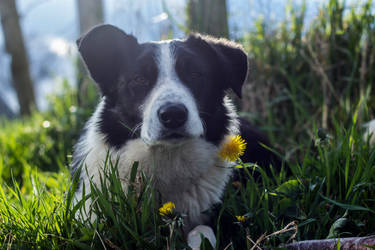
126, 126
204, 125
136, 128
204, 113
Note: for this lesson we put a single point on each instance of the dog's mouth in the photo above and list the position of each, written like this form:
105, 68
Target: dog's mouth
171, 136
171, 139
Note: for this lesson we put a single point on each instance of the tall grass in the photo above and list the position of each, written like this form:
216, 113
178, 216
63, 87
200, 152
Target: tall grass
47, 218
311, 75
335, 179
330, 195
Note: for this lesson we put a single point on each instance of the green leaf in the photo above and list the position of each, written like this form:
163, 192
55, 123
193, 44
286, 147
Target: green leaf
347, 206
289, 189
205, 245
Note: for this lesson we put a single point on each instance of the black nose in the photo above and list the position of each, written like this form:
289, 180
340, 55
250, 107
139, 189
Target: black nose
173, 115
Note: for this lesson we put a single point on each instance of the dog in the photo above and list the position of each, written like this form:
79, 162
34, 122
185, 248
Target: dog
165, 105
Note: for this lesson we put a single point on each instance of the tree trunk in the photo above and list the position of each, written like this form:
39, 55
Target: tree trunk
14, 44
208, 17
90, 13
345, 243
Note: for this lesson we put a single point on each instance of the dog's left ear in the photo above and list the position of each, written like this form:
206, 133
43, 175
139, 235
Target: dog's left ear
231, 56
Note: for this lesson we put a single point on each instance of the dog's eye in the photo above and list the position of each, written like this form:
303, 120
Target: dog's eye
140, 80
138, 85
196, 75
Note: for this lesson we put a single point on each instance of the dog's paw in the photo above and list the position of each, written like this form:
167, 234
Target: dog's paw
194, 237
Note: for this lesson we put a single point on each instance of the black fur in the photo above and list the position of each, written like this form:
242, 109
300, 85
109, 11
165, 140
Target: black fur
118, 64
207, 65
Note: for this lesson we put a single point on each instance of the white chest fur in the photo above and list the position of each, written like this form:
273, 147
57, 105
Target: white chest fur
190, 174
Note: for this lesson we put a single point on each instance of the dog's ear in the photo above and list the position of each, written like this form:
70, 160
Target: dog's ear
105, 49
231, 57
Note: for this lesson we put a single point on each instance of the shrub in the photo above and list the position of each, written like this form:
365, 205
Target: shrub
44, 140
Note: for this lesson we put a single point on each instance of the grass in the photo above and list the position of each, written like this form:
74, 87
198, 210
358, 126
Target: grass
334, 181
44, 140
312, 91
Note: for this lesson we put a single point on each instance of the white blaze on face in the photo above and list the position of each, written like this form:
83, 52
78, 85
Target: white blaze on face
168, 89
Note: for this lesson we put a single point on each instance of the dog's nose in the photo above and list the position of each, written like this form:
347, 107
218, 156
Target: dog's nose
173, 115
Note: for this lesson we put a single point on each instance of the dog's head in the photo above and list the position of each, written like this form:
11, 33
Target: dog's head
163, 91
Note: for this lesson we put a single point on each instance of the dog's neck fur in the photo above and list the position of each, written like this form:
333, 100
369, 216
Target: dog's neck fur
190, 174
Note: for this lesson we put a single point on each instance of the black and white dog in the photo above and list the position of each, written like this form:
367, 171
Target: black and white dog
164, 105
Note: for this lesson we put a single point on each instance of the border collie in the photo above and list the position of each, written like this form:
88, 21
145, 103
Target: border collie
164, 105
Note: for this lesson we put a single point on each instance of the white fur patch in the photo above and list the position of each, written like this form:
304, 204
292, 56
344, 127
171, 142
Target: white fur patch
190, 175
234, 123
91, 148
194, 237
168, 89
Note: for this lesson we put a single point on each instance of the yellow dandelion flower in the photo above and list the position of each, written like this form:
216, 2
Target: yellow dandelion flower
167, 209
232, 148
240, 218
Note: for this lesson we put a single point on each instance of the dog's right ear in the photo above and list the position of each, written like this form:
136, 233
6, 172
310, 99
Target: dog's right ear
105, 49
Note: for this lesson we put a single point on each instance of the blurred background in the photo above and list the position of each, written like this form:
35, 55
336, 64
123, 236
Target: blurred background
311, 65
50, 28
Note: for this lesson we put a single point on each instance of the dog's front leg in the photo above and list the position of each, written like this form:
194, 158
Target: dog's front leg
194, 237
